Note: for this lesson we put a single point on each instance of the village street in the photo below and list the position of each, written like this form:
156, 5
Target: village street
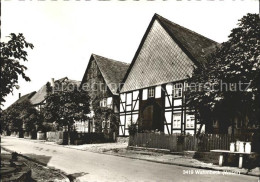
89, 166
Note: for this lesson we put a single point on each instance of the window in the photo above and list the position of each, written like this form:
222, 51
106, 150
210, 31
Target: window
176, 121
103, 102
190, 121
151, 92
177, 90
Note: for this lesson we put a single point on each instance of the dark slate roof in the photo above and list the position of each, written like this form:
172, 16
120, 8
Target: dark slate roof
167, 53
112, 71
39, 97
24, 98
197, 45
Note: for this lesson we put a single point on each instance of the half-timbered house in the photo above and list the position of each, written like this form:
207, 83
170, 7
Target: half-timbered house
152, 95
38, 100
102, 79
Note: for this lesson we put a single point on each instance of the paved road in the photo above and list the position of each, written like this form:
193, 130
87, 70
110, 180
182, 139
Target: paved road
88, 166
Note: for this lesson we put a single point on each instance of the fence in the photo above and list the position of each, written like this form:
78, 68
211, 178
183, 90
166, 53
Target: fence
178, 143
78, 138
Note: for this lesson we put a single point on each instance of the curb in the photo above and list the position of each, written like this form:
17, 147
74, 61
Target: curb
182, 165
40, 163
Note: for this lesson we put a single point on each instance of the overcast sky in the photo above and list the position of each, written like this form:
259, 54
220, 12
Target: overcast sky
66, 33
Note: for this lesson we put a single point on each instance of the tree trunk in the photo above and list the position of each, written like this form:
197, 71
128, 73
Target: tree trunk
201, 125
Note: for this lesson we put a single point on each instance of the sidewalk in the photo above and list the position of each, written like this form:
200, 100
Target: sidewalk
120, 149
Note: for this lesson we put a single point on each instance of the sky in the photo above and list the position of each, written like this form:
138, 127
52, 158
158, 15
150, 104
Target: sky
66, 33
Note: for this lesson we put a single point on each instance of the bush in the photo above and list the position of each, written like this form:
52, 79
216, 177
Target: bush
132, 128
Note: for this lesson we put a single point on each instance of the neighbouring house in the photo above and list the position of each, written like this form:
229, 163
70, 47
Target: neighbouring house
23, 98
102, 80
152, 96
39, 98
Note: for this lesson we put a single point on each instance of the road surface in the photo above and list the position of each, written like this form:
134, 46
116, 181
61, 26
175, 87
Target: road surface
89, 166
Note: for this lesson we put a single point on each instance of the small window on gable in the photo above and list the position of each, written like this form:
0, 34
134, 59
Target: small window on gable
151, 92
177, 90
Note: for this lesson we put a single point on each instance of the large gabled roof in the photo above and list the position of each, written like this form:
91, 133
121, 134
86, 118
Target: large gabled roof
195, 46
112, 71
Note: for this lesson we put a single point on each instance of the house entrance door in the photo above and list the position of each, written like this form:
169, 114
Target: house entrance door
151, 117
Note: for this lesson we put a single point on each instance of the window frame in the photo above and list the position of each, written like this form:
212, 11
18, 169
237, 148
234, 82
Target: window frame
151, 92
177, 87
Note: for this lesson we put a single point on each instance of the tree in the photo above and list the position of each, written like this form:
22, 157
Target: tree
66, 105
20, 115
31, 117
10, 119
104, 114
227, 86
12, 53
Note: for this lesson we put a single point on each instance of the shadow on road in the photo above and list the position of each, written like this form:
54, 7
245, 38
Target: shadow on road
73, 177
43, 159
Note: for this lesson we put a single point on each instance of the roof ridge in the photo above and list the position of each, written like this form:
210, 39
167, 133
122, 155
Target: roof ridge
109, 59
159, 16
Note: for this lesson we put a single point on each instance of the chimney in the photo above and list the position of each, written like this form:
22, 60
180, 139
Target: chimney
52, 82
19, 95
